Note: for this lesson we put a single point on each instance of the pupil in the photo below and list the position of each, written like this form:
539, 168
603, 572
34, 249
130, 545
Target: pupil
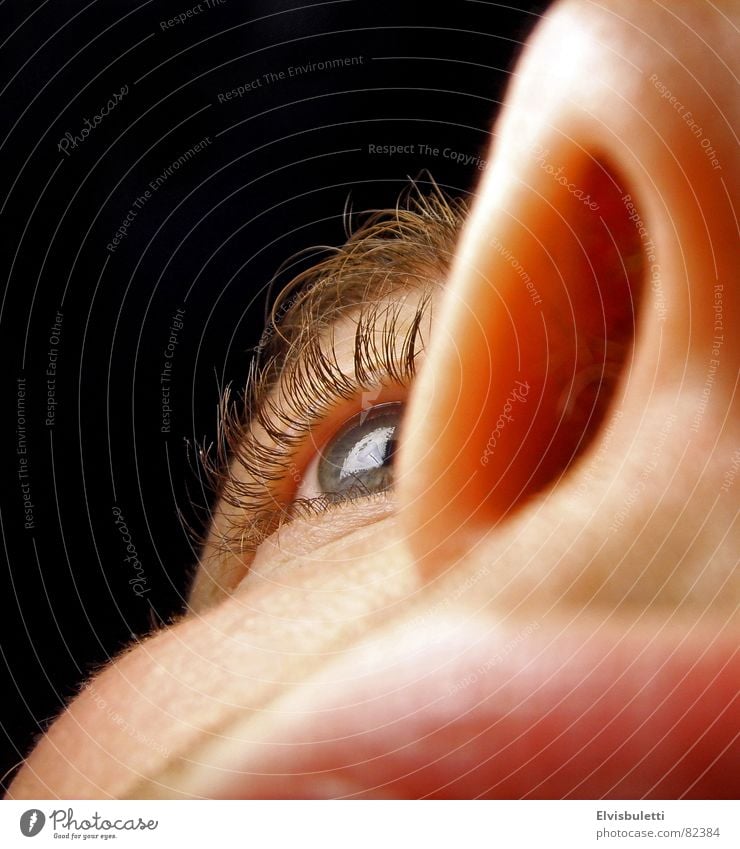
359, 460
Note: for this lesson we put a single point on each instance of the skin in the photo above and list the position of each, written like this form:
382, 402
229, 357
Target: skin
510, 628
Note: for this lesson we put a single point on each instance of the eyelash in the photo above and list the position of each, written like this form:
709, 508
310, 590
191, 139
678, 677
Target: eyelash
313, 390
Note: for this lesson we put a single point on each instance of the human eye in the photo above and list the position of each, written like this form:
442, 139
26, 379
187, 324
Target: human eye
326, 432
358, 460
318, 423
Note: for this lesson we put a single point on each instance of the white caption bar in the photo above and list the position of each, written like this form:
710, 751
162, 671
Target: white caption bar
372, 825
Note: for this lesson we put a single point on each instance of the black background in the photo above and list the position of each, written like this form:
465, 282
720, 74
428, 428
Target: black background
282, 162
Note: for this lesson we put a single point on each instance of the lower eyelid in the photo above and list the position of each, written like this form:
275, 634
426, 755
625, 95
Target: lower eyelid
303, 508
316, 529
309, 529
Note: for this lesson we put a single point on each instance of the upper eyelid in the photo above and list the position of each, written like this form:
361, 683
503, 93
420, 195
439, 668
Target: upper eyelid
291, 403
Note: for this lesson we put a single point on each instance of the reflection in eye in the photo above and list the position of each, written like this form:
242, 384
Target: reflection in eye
358, 460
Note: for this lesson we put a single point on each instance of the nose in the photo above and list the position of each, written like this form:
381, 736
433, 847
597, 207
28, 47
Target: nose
574, 428
591, 274
556, 466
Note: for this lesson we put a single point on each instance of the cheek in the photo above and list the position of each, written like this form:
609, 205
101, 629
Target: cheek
315, 548
111, 733
479, 709
156, 705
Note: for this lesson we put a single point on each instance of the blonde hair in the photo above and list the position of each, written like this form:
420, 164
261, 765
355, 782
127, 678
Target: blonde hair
409, 245
405, 248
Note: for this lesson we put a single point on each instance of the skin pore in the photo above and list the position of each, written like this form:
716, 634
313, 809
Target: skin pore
545, 603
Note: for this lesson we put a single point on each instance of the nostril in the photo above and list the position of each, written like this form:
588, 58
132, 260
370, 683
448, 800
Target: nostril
593, 322
516, 387
588, 395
